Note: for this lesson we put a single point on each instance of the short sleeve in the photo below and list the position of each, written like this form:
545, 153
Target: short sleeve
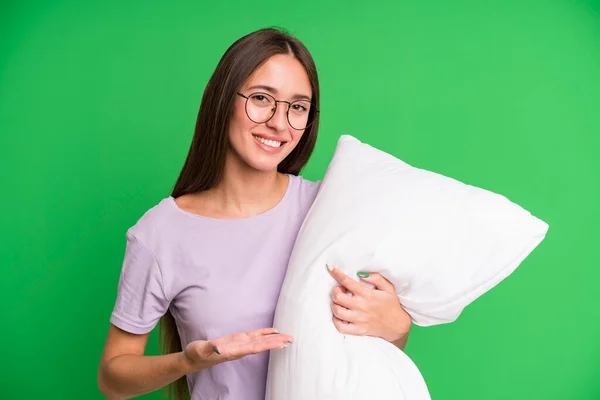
141, 300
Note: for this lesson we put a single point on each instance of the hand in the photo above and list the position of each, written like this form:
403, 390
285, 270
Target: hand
201, 353
359, 310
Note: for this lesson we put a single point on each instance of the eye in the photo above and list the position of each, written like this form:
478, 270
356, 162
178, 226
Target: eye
300, 107
262, 100
259, 97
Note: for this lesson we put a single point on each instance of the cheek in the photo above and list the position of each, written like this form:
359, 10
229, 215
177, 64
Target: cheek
296, 136
237, 120
240, 124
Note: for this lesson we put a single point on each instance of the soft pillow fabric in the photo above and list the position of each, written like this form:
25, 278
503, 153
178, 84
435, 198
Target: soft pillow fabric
442, 243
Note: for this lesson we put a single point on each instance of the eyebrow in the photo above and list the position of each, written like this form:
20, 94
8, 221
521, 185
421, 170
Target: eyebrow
271, 89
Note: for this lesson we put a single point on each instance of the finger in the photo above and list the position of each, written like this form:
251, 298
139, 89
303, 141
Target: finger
378, 281
237, 349
206, 350
347, 329
265, 343
353, 286
344, 290
261, 332
340, 289
338, 296
212, 349
271, 342
343, 313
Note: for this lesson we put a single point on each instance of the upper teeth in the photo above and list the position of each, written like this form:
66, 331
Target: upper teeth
270, 143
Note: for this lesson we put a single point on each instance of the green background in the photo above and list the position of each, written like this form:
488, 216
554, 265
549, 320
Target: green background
97, 107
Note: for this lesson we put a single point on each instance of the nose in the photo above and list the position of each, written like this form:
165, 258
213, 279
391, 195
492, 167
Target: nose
279, 121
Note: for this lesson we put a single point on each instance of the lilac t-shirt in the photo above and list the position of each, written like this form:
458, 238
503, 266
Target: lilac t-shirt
217, 277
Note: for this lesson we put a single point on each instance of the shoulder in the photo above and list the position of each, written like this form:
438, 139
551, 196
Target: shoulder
153, 222
305, 189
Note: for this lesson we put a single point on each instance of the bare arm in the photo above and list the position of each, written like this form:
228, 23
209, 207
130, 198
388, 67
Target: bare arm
125, 372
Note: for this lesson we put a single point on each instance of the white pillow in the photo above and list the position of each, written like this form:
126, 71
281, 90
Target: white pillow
442, 243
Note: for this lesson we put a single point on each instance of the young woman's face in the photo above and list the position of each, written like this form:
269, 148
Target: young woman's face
262, 146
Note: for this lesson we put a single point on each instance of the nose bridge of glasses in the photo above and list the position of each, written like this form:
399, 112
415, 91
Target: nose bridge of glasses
289, 104
284, 110
284, 114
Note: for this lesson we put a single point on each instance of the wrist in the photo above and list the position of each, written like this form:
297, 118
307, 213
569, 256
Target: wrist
400, 343
401, 335
186, 365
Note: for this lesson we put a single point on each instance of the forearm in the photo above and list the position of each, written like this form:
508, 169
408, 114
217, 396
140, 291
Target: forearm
127, 375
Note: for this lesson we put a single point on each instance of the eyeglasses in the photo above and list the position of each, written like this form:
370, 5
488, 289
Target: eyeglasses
261, 107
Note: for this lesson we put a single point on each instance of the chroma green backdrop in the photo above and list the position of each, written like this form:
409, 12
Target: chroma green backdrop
97, 107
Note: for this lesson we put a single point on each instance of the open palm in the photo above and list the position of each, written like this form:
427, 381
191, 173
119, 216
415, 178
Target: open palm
237, 345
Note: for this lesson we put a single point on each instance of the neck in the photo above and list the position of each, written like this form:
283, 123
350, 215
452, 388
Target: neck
246, 192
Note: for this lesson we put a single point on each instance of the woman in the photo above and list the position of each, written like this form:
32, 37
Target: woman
209, 260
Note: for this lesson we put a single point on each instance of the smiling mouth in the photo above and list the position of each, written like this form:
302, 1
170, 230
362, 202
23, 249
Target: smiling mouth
271, 143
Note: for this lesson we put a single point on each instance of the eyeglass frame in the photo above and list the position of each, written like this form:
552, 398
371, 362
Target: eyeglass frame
287, 113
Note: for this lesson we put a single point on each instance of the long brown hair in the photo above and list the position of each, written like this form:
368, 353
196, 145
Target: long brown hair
205, 161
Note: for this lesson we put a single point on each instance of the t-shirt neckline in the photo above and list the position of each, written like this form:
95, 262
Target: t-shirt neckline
278, 205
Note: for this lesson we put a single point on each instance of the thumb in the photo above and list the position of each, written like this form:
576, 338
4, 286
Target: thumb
210, 349
378, 281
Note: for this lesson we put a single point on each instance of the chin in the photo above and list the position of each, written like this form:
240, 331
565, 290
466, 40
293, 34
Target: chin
265, 159
264, 165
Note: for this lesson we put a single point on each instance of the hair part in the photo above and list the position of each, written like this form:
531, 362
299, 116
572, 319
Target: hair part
205, 162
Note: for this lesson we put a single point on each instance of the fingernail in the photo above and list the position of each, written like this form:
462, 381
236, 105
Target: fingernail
216, 350
328, 267
363, 274
274, 333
